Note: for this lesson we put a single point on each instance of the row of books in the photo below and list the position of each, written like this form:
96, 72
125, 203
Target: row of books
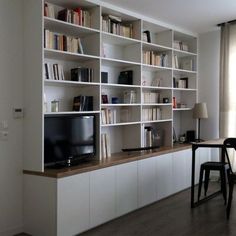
62, 42
179, 45
49, 10
154, 58
185, 63
151, 97
113, 24
153, 136
76, 16
53, 71
83, 103
82, 74
105, 146
181, 83
108, 116
151, 114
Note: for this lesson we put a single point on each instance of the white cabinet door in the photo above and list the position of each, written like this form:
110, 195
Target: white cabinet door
73, 204
126, 188
147, 187
164, 179
179, 170
188, 156
102, 196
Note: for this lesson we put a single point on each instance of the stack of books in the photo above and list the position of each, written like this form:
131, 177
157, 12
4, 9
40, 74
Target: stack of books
151, 97
76, 16
49, 10
108, 116
181, 83
113, 24
155, 58
179, 45
151, 114
105, 145
62, 42
82, 74
53, 71
83, 103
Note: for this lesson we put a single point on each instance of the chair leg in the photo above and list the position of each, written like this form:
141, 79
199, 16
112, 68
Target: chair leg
231, 188
207, 174
223, 183
200, 183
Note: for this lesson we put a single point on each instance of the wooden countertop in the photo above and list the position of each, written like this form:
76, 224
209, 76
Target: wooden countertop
115, 159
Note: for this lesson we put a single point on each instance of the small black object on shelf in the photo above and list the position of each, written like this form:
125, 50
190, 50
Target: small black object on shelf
139, 149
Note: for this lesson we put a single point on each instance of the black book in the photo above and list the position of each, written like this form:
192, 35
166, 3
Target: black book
186, 81
126, 77
147, 32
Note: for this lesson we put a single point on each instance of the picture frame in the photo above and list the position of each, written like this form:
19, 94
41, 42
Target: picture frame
104, 99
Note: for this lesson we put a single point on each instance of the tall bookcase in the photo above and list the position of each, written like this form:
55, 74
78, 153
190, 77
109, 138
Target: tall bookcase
163, 63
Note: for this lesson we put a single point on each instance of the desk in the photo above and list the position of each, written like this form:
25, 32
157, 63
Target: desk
218, 143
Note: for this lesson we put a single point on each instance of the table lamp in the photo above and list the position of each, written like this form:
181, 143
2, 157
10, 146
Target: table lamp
200, 112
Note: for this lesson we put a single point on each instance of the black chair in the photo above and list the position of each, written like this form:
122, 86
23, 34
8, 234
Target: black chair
206, 167
230, 143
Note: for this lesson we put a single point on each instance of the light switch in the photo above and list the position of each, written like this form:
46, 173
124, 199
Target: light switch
17, 113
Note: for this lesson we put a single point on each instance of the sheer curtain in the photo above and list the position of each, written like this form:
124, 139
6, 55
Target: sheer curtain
228, 83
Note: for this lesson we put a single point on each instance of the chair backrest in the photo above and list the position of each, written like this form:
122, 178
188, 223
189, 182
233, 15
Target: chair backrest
229, 143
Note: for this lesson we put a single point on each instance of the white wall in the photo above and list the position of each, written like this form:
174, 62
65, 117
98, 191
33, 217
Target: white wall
11, 96
209, 60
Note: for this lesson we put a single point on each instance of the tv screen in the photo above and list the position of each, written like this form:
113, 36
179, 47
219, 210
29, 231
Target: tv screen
68, 137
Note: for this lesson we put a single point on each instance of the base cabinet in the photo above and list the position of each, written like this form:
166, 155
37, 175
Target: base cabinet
71, 205
102, 196
126, 188
164, 178
147, 188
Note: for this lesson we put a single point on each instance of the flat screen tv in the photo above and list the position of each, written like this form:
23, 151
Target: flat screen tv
68, 138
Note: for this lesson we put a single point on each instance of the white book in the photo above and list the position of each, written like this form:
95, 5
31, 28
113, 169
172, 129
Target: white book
103, 146
108, 148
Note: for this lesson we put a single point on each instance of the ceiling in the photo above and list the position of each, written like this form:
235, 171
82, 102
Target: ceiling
193, 15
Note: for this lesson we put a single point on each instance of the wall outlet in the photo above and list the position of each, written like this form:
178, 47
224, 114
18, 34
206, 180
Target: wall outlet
4, 135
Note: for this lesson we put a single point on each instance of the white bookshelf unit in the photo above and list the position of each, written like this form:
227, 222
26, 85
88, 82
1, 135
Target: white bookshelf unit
163, 64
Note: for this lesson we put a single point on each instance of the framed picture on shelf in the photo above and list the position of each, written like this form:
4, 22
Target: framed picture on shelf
104, 99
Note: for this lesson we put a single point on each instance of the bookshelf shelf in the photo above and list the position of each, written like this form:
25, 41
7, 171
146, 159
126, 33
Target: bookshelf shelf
157, 104
120, 85
70, 113
136, 58
122, 124
154, 68
182, 109
156, 88
63, 55
69, 83
118, 39
184, 71
67, 28
118, 62
157, 121
185, 89
155, 47
121, 105
182, 53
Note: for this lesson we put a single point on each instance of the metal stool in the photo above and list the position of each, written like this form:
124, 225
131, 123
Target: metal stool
223, 168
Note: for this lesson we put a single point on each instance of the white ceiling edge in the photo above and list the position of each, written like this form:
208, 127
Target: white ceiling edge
143, 17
